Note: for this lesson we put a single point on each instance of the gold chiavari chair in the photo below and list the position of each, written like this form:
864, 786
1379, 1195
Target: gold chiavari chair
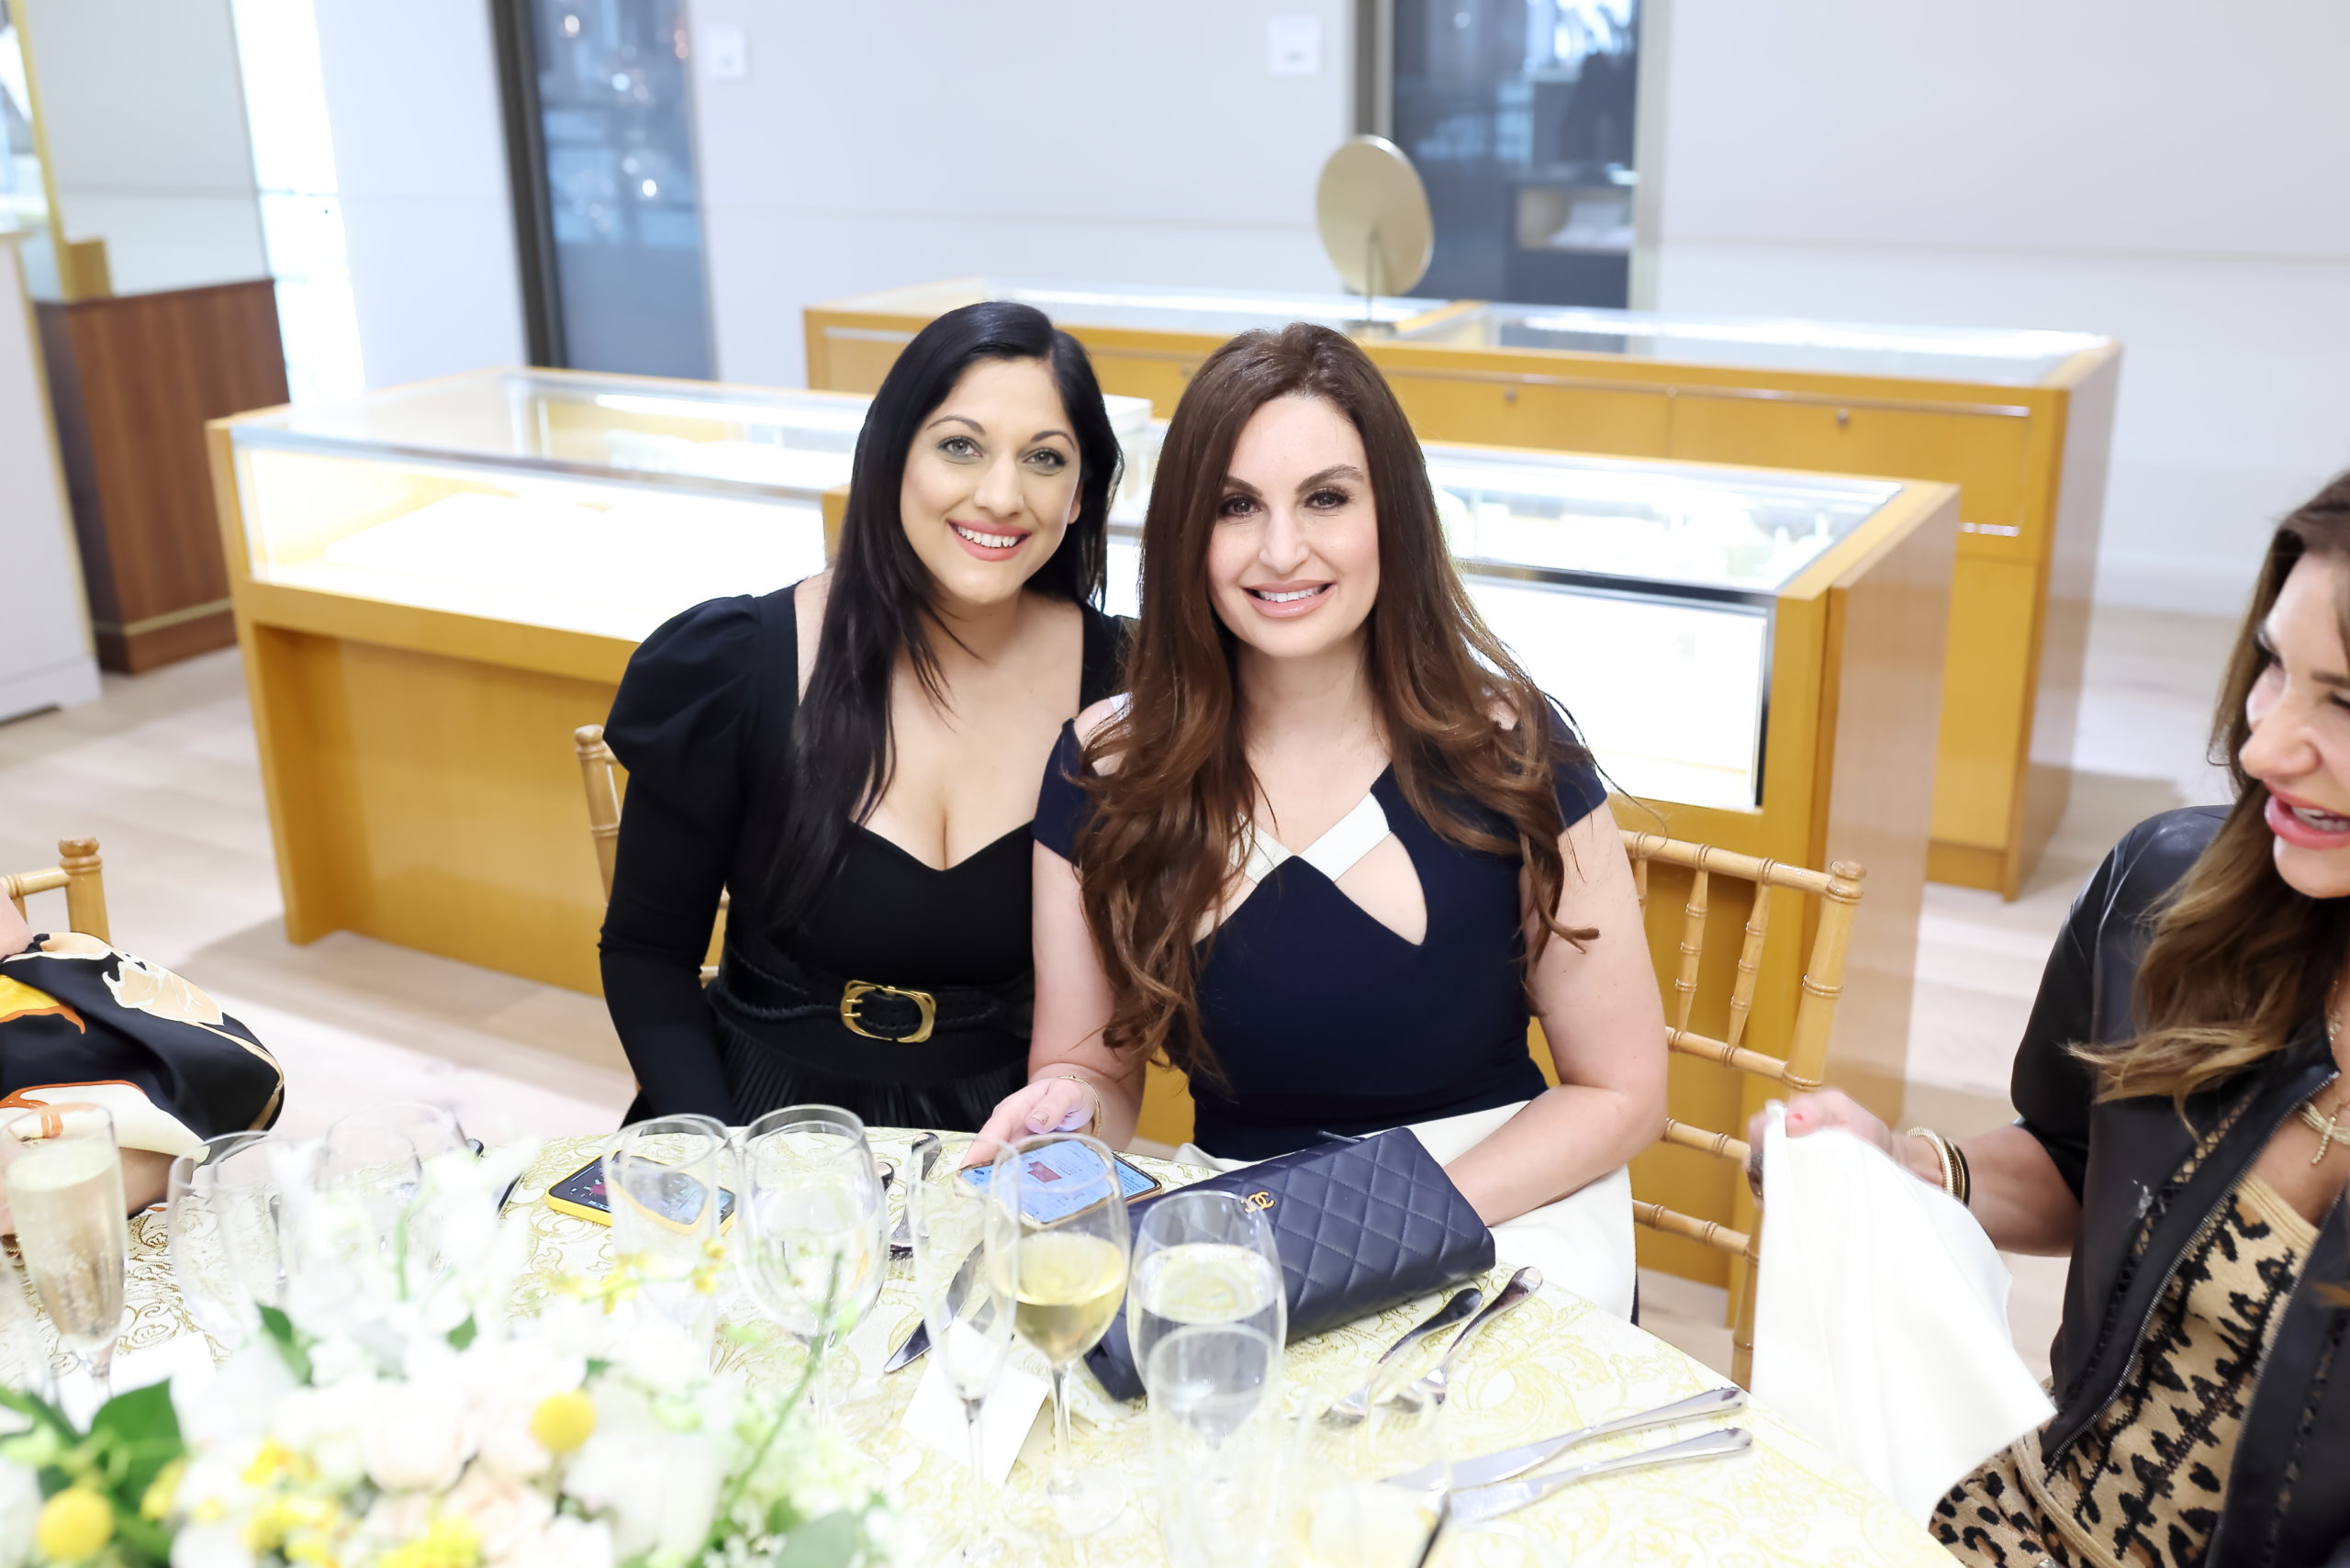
1800, 1071
599, 772
81, 874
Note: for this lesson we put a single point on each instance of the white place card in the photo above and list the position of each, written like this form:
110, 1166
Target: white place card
936, 1416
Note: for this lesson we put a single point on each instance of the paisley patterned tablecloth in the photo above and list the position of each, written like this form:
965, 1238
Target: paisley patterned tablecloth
1555, 1364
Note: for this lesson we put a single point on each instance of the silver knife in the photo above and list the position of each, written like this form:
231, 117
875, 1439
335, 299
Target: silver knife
1482, 1503
1501, 1466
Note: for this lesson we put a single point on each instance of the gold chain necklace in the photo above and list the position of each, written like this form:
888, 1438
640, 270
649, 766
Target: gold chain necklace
2329, 1130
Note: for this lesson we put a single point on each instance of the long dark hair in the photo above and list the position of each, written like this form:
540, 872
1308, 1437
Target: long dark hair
1152, 859
883, 601
2238, 958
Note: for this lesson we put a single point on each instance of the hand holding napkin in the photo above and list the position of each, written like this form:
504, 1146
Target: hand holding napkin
1881, 1318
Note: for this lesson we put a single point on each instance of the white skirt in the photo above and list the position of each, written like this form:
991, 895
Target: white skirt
1581, 1243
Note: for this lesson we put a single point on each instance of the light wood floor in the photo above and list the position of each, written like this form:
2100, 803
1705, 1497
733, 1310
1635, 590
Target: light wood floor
161, 770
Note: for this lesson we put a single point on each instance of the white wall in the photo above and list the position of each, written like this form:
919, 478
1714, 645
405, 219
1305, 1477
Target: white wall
146, 125
875, 145
2173, 174
420, 146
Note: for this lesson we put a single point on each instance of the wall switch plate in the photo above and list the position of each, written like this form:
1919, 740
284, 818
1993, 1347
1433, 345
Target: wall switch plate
1293, 46
726, 51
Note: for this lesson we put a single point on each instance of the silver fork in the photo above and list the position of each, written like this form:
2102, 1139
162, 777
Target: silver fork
1350, 1410
1432, 1386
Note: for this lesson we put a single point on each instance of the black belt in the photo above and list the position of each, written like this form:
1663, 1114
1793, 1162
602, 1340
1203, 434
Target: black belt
812, 1015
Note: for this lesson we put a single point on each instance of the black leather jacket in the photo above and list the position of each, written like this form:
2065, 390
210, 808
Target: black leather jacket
2145, 1197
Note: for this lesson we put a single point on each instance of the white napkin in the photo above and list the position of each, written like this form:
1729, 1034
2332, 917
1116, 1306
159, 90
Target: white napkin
1881, 1318
1581, 1243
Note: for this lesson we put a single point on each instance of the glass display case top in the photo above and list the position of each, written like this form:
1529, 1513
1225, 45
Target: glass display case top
1638, 594
1684, 530
1677, 529
2014, 358
699, 434
1217, 312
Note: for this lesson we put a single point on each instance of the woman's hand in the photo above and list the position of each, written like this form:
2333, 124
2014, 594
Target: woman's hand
1048, 1105
1809, 1113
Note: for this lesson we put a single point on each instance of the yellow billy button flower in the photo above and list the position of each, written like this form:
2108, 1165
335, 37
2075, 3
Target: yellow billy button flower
74, 1525
156, 1504
564, 1421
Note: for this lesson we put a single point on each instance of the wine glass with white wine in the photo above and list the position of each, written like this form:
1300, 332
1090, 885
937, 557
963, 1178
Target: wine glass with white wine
1062, 1219
64, 1177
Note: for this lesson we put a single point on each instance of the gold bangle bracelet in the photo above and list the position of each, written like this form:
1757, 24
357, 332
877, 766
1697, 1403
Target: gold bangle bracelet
1945, 1156
1094, 1119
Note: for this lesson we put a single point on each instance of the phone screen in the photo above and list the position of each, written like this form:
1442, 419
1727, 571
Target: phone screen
1060, 1162
679, 1201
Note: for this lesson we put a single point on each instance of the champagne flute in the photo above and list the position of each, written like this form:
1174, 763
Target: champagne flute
209, 1283
1203, 1258
64, 1175
1062, 1217
817, 1228
966, 1308
1215, 1442
664, 1184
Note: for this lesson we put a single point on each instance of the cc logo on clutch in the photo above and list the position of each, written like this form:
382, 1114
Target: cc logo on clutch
1260, 1200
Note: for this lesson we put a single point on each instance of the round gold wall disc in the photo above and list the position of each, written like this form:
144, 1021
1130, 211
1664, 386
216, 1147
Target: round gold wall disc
1374, 214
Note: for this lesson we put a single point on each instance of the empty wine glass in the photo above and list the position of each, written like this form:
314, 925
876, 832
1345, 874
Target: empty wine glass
349, 1200
1352, 1510
209, 1283
1062, 1217
1496, 1543
246, 1195
966, 1311
24, 1361
64, 1176
816, 1228
1215, 1442
664, 1182
1203, 1258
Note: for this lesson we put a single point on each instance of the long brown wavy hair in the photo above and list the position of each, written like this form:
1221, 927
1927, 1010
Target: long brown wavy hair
1153, 860
2238, 959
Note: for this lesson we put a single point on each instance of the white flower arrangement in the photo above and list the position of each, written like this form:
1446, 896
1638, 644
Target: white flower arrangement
426, 1428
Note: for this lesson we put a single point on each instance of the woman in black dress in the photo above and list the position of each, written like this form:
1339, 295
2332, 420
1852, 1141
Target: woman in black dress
855, 758
1335, 840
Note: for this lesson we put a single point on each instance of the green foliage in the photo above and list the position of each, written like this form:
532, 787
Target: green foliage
131, 1440
289, 1342
833, 1542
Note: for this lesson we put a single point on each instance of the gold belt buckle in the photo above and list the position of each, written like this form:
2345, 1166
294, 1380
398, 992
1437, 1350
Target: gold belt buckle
855, 992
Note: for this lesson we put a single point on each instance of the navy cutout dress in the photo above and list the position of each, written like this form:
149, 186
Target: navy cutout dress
1325, 1019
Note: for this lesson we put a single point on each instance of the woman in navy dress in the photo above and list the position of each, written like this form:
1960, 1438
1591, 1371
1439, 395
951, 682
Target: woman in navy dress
1332, 842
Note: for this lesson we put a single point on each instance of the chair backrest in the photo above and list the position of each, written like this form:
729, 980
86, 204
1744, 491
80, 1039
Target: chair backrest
80, 873
1801, 1070
599, 772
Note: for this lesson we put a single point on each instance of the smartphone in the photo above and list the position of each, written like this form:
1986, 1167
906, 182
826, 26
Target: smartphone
581, 1194
1057, 1162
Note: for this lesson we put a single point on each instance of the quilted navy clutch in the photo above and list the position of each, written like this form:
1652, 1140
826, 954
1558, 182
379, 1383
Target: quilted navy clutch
1360, 1225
